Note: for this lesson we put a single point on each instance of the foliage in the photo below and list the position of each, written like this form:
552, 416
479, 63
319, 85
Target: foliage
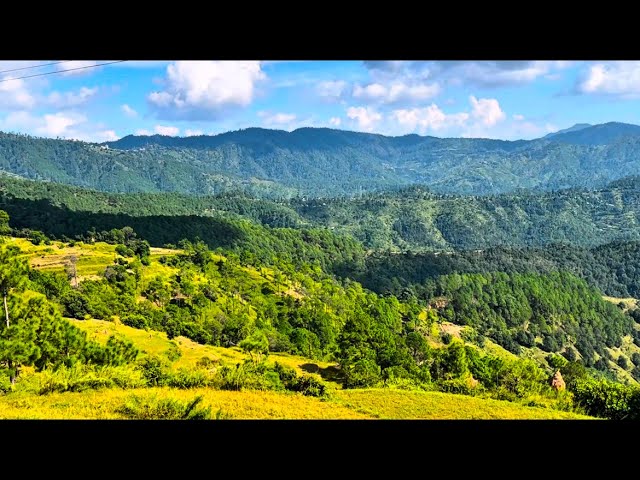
155, 408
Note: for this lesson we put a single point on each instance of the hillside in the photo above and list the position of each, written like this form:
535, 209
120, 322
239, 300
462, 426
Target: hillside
188, 318
322, 162
413, 219
603, 134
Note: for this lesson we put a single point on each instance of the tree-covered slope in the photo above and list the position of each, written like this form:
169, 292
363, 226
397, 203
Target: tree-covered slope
322, 162
412, 219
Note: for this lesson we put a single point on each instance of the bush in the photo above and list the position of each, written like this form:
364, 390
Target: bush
457, 385
187, 378
173, 353
81, 377
206, 362
623, 362
155, 370
154, 408
607, 399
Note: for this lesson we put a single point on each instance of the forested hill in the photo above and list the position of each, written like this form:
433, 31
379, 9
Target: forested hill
322, 162
413, 219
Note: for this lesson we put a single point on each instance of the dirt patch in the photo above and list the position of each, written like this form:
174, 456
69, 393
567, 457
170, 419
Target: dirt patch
451, 329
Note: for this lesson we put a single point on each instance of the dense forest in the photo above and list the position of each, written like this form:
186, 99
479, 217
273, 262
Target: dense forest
322, 162
413, 219
217, 299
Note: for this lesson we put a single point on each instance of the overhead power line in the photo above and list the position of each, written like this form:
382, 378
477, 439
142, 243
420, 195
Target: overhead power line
61, 71
35, 66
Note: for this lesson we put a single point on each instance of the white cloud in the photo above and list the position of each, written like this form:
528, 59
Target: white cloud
128, 111
204, 90
58, 124
70, 99
192, 133
167, 130
396, 92
611, 78
14, 95
518, 117
366, 118
74, 65
479, 73
142, 131
331, 89
486, 110
107, 135
427, 118
71, 125
276, 118
335, 121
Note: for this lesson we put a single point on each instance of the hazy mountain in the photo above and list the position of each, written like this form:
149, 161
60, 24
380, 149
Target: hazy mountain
603, 134
324, 162
575, 128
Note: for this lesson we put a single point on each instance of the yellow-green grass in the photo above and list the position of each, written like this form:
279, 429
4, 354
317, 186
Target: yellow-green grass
629, 303
345, 404
152, 342
104, 404
402, 404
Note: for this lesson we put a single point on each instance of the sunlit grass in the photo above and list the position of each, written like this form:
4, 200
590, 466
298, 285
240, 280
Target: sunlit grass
401, 404
104, 404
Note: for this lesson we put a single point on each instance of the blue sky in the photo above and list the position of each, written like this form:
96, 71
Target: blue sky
506, 100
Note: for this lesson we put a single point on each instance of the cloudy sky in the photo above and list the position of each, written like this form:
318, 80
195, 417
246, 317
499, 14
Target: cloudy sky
507, 100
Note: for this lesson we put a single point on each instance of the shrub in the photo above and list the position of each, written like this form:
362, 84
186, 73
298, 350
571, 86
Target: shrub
186, 378
155, 370
206, 362
154, 408
81, 377
173, 353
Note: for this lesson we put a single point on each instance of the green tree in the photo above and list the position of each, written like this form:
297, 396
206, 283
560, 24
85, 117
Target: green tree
257, 344
5, 229
38, 336
13, 275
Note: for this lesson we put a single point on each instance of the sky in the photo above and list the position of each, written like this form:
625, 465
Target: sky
490, 99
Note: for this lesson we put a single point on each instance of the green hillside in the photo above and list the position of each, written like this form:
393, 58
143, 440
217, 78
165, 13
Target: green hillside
322, 162
171, 320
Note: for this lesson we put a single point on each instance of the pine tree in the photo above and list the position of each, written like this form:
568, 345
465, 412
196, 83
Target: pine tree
13, 275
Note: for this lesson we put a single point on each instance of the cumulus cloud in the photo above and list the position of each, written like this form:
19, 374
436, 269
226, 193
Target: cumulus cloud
428, 118
611, 78
331, 89
14, 95
335, 121
486, 110
365, 118
192, 133
479, 73
143, 131
166, 130
204, 90
70, 125
518, 117
269, 118
395, 92
71, 99
128, 111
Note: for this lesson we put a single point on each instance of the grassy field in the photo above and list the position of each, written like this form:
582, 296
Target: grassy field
400, 404
156, 343
345, 404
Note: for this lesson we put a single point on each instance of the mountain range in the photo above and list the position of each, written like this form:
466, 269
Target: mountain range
320, 162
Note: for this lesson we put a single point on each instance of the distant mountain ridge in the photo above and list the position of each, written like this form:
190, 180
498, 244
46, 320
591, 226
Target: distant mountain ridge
322, 162
603, 134
576, 127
